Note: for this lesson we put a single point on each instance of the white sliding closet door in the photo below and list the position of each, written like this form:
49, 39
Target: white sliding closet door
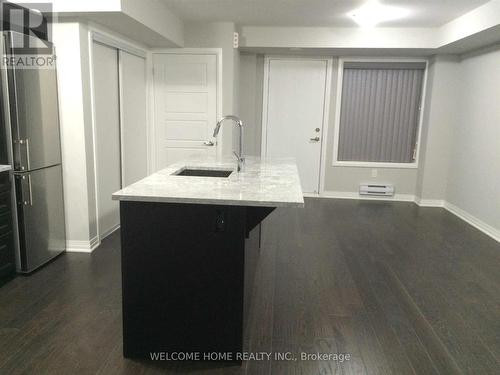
107, 135
134, 135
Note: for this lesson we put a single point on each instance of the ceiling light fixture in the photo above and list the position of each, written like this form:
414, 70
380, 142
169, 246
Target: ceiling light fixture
373, 13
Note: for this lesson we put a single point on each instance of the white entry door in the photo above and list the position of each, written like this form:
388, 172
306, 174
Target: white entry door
294, 113
185, 98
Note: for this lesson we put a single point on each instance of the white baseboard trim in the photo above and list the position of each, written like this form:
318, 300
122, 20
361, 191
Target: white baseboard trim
474, 221
73, 246
109, 231
355, 195
460, 213
429, 202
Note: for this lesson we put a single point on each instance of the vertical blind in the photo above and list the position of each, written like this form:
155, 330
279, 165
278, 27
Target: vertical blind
380, 111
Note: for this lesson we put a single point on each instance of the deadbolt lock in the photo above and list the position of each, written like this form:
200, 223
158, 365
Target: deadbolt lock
317, 130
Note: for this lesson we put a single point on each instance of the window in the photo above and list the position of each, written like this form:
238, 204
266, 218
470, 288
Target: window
379, 113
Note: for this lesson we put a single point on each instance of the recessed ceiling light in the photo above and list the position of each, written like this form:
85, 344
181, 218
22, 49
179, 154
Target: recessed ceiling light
373, 13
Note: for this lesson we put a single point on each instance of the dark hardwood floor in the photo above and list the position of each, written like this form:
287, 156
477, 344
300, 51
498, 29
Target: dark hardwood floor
402, 289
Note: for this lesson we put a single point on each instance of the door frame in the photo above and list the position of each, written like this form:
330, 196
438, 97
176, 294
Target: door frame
326, 108
98, 35
217, 52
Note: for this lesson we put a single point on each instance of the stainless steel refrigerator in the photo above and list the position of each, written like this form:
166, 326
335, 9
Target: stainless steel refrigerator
32, 124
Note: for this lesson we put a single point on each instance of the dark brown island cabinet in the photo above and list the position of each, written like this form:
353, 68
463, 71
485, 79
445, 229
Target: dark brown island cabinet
185, 254
183, 268
7, 254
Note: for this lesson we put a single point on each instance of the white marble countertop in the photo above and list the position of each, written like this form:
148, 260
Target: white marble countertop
5, 168
262, 182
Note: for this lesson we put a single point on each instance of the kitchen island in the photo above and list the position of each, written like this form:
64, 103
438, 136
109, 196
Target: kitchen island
183, 233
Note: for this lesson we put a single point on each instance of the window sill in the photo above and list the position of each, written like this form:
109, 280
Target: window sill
365, 164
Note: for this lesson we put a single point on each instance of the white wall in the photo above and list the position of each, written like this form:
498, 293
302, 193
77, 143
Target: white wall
482, 18
156, 16
440, 113
86, 5
460, 158
149, 21
250, 101
474, 173
76, 131
337, 37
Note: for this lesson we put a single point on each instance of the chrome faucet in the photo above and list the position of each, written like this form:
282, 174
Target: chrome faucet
238, 122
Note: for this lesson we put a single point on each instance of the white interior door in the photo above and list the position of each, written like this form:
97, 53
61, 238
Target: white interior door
185, 100
107, 134
134, 133
294, 112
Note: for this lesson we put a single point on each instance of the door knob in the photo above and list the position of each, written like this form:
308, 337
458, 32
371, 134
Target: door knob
208, 143
315, 139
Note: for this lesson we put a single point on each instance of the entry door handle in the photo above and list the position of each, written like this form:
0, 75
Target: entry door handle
208, 143
315, 139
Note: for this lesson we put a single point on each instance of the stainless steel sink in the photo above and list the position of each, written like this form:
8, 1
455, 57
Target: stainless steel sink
200, 172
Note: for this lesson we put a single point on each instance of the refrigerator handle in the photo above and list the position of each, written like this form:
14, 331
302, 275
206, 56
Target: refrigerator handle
30, 190
26, 143
21, 178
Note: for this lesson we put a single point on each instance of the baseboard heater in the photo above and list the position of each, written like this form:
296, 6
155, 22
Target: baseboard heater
378, 190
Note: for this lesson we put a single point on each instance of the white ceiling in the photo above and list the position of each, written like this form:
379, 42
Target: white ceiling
424, 13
